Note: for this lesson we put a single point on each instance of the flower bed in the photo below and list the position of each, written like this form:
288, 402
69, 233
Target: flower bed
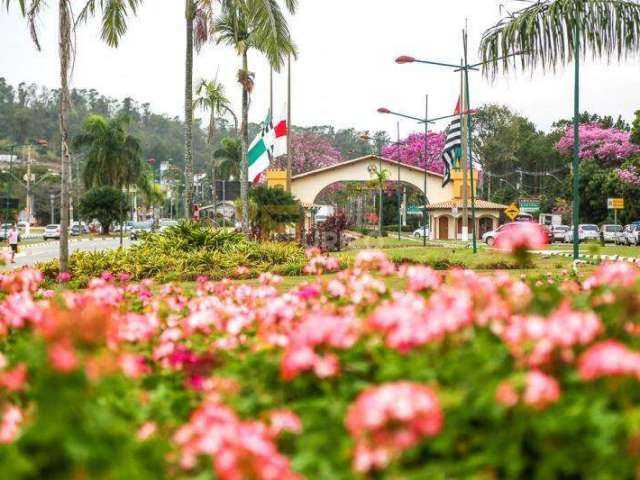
455, 376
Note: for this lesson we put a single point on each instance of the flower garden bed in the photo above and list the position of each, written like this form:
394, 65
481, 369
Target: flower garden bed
453, 376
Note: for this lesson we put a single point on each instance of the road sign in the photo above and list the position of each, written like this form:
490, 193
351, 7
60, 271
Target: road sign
414, 210
615, 203
512, 211
530, 205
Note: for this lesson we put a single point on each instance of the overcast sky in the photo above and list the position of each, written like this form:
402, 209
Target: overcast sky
344, 72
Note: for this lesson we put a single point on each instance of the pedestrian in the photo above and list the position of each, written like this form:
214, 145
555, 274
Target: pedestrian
12, 239
196, 213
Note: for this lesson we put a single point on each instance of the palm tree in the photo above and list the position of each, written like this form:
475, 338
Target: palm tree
258, 25
198, 14
114, 15
551, 33
228, 157
211, 97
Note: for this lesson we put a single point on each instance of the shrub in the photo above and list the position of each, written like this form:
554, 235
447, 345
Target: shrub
451, 375
184, 252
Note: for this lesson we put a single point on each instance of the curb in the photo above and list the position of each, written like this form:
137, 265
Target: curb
598, 258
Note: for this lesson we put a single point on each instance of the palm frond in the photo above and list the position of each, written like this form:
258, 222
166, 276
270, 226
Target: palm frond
544, 33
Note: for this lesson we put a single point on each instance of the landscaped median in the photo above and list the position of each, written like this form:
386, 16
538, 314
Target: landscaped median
451, 375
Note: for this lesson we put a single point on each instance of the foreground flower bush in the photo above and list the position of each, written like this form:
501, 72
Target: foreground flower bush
452, 375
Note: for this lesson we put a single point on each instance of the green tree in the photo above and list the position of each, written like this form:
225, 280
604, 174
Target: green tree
635, 128
228, 157
258, 25
211, 97
274, 209
112, 155
104, 204
114, 15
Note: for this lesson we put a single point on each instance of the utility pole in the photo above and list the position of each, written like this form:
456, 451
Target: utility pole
289, 125
52, 198
29, 199
464, 160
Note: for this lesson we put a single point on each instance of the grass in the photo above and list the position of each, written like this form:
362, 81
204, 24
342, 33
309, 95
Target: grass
594, 248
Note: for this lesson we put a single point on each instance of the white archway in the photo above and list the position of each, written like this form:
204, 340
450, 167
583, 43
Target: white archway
306, 186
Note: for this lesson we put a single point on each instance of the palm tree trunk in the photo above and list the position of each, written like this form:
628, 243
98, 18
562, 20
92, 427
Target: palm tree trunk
188, 113
244, 133
235, 120
64, 51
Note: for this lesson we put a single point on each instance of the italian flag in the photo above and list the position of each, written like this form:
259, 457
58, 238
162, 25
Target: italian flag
271, 142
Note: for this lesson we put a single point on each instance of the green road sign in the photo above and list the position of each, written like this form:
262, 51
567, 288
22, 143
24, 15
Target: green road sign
529, 206
414, 210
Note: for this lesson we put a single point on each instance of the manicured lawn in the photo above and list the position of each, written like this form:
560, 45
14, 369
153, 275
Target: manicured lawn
594, 248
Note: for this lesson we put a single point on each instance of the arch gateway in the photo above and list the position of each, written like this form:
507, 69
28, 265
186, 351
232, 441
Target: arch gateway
307, 186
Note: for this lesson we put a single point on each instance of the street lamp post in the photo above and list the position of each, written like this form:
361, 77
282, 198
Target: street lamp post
52, 197
465, 67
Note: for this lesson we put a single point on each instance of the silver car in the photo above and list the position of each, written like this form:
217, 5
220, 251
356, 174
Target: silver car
586, 232
558, 232
608, 233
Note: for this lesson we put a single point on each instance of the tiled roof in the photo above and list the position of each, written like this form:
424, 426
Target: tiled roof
480, 205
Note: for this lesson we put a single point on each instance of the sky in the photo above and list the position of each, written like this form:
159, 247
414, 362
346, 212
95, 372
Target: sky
345, 68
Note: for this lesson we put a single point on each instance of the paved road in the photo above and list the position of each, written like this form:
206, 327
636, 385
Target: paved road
41, 252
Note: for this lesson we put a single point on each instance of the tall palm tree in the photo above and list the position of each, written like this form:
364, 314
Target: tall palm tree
114, 25
211, 97
258, 25
550, 33
198, 14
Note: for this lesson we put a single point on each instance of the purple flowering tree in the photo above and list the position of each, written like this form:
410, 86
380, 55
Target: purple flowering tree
411, 150
310, 151
608, 145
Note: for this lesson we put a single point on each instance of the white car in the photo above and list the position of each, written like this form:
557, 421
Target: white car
586, 232
608, 233
632, 234
51, 231
421, 232
558, 232
165, 223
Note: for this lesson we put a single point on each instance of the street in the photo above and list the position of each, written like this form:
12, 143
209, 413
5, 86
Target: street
41, 252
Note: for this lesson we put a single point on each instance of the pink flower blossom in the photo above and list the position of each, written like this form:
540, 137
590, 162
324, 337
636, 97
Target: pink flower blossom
596, 142
612, 274
284, 420
64, 277
541, 391
521, 236
388, 419
14, 380
133, 366
63, 357
10, 424
608, 358
146, 430
507, 395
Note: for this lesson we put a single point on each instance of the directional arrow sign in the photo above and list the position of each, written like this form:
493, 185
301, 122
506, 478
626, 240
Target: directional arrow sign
512, 211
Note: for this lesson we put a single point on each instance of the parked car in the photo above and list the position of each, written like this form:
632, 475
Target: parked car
75, 230
490, 236
608, 233
558, 232
632, 234
140, 227
51, 231
421, 232
621, 236
165, 223
586, 232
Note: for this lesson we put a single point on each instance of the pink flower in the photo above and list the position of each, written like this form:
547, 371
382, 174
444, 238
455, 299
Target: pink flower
387, 419
613, 274
284, 420
368, 260
421, 278
608, 358
239, 449
10, 424
62, 356
14, 380
107, 276
604, 144
541, 391
507, 395
146, 430
133, 366
64, 277
124, 277
521, 236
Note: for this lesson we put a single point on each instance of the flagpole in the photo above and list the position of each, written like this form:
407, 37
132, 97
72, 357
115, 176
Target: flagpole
271, 91
426, 167
469, 145
398, 188
289, 125
463, 162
